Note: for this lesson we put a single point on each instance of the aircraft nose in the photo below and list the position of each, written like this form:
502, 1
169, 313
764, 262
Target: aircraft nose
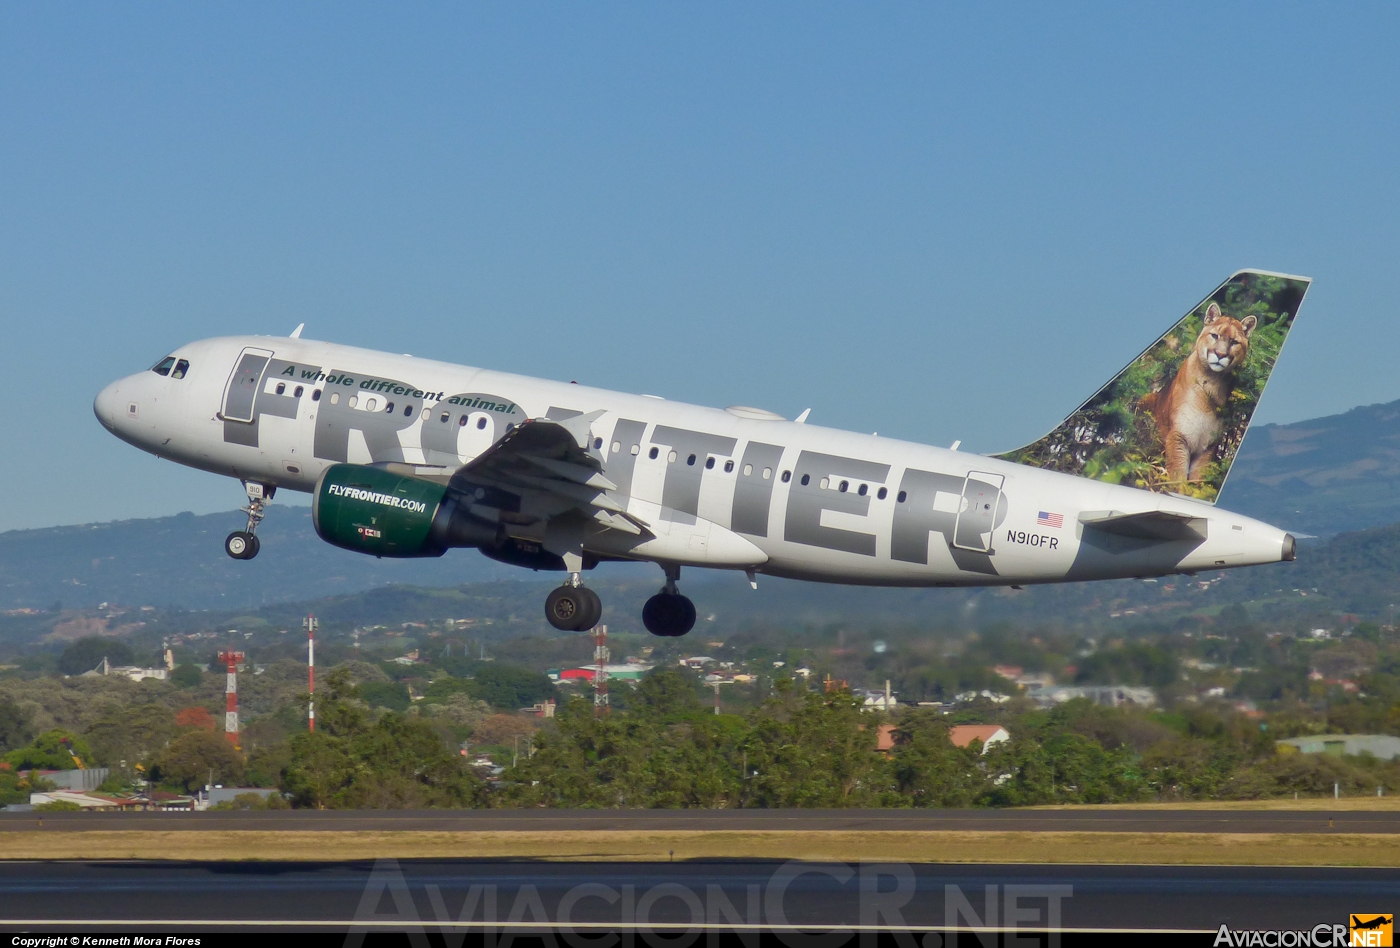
107, 406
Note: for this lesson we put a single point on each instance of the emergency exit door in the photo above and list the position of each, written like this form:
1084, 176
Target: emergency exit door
977, 518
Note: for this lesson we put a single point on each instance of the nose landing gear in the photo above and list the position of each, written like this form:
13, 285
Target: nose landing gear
243, 544
573, 607
668, 613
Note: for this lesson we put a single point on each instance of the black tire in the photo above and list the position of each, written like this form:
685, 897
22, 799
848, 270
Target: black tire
593, 611
565, 606
241, 545
669, 615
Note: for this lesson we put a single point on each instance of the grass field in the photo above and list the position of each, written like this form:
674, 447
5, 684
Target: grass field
1342, 849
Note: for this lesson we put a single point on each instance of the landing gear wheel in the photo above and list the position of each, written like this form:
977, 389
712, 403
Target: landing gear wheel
668, 614
241, 545
593, 613
573, 608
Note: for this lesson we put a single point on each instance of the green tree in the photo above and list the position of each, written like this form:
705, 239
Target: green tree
86, 654
49, 751
194, 757
132, 734
187, 676
385, 694
16, 726
929, 770
814, 750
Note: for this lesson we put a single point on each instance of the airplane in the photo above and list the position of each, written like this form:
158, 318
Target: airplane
408, 457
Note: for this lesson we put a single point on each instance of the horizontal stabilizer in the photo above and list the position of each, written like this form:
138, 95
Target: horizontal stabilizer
1151, 525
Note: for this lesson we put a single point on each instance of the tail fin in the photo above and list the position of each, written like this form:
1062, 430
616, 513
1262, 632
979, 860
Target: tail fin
1174, 418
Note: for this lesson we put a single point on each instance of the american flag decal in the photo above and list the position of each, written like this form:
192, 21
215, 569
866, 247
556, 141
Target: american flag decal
1047, 519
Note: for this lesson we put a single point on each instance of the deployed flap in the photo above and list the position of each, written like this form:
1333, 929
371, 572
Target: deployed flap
553, 463
1174, 418
1151, 525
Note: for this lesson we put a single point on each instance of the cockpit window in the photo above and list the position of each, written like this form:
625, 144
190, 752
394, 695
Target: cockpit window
163, 366
181, 368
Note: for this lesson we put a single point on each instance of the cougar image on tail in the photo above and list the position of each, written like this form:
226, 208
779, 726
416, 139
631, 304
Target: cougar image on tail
1188, 411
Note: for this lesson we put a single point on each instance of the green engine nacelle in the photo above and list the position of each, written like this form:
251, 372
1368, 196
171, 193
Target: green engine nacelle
371, 510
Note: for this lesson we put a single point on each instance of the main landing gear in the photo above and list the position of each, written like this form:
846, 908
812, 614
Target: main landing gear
573, 607
668, 613
243, 544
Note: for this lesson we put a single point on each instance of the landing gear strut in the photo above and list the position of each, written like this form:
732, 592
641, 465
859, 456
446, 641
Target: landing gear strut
573, 607
243, 544
668, 613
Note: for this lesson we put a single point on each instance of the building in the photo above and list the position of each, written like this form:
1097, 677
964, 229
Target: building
1109, 695
625, 672
1381, 746
962, 735
89, 779
87, 801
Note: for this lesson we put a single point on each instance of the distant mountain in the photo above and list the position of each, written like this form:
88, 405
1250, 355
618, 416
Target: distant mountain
180, 561
1324, 476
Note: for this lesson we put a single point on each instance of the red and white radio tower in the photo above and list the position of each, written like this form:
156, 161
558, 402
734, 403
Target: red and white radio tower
600, 671
231, 659
309, 624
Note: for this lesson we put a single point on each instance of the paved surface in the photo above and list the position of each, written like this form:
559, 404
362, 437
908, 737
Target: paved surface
71, 895
1112, 821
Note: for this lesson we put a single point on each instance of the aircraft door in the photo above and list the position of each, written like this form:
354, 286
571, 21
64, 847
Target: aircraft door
243, 385
977, 517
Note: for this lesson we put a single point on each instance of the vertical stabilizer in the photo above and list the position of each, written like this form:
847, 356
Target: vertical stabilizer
1174, 418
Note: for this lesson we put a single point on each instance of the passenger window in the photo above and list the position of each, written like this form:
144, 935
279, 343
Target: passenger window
617, 446
281, 388
845, 485
462, 422
408, 411
863, 489
389, 407
635, 449
787, 475
427, 413
826, 482
806, 478
671, 457
163, 366
748, 470
335, 398
902, 497
728, 466
181, 368
652, 454
690, 460
768, 472
480, 423
597, 444
444, 418
883, 493
297, 393
354, 400
316, 395
372, 404
709, 463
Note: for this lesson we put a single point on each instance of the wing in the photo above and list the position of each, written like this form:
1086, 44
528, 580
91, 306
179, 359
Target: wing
541, 469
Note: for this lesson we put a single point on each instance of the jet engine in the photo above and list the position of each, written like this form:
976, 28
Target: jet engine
371, 510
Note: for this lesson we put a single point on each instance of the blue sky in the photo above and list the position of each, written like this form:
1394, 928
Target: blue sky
939, 222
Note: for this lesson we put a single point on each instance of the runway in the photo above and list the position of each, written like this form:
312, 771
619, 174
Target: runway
1078, 821
458, 893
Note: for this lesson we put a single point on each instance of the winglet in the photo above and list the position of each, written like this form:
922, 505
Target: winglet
296, 333
802, 418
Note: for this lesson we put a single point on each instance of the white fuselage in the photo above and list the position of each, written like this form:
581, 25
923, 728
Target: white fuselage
728, 488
